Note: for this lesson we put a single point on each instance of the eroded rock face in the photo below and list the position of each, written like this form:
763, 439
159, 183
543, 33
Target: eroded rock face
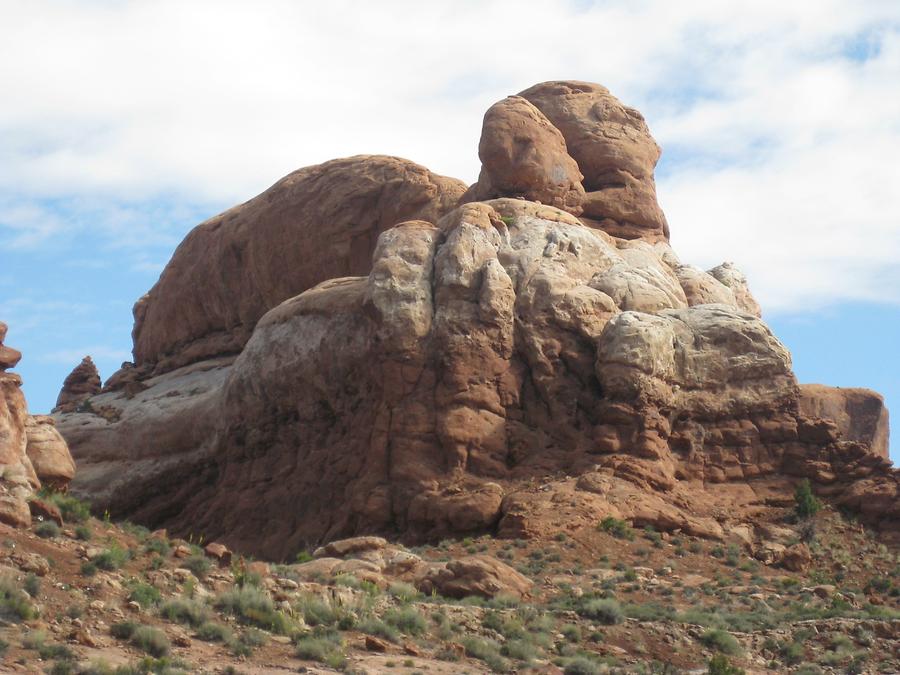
236, 266
48, 452
79, 385
614, 150
523, 155
860, 414
505, 367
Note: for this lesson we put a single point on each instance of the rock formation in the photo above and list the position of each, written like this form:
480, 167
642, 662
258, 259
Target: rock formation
30, 448
233, 268
82, 383
493, 367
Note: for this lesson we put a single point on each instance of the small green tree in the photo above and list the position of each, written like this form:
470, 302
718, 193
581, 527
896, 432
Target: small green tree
720, 665
806, 504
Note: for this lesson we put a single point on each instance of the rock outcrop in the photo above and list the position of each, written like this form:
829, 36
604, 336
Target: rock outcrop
79, 385
31, 450
860, 414
496, 367
314, 224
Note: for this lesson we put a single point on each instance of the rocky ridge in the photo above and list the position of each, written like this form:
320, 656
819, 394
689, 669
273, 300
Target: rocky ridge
533, 329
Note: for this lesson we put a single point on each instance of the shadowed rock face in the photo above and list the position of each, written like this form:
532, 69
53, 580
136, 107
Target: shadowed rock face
314, 224
480, 350
82, 383
859, 414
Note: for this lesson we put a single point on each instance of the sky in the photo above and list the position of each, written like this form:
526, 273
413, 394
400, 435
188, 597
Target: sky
124, 124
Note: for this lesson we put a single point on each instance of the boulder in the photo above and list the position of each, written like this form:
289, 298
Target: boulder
796, 558
477, 575
523, 155
48, 452
14, 511
79, 385
45, 510
729, 275
614, 150
314, 224
860, 414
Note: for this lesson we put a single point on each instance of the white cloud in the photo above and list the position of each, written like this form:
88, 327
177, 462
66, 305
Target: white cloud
785, 138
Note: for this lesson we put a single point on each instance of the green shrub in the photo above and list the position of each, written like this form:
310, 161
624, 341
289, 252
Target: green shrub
721, 641
317, 612
580, 665
47, 530
617, 528
83, 532
213, 632
403, 592
88, 568
15, 604
246, 642
322, 649
32, 585
303, 557
158, 545
151, 640
111, 559
806, 504
144, 594
123, 630
73, 510
198, 564
252, 606
406, 619
606, 611
186, 611
792, 653
720, 665
380, 629
487, 651
520, 650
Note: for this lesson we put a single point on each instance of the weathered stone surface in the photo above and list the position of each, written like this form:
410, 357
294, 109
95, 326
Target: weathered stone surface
14, 511
860, 414
45, 510
15, 467
48, 452
523, 155
317, 223
79, 385
796, 558
614, 150
477, 575
733, 278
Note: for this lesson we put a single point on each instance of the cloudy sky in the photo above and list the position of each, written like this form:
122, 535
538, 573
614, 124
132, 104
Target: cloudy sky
123, 124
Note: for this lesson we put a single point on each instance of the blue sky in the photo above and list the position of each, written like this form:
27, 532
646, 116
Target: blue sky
124, 124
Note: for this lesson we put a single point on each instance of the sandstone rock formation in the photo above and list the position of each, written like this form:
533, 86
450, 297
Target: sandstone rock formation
82, 383
523, 155
314, 224
498, 367
30, 448
48, 452
615, 152
860, 414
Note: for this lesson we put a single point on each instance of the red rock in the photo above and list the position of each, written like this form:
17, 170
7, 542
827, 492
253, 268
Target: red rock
374, 644
236, 266
797, 558
523, 155
220, 552
48, 452
79, 385
476, 575
860, 414
14, 512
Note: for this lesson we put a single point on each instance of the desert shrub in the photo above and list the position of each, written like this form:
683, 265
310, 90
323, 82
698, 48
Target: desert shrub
720, 665
111, 559
198, 564
571, 632
606, 611
520, 650
617, 528
325, 648
406, 619
37, 641
806, 505
88, 568
246, 642
151, 640
83, 532
403, 592
721, 641
123, 630
210, 631
15, 605
73, 510
580, 665
792, 653
139, 532
317, 612
186, 611
487, 651
32, 585
380, 629
157, 545
144, 594
47, 530
252, 606
303, 556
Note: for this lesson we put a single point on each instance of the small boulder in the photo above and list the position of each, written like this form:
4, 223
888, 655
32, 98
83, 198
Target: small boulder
345, 547
14, 511
479, 575
797, 558
44, 510
219, 552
